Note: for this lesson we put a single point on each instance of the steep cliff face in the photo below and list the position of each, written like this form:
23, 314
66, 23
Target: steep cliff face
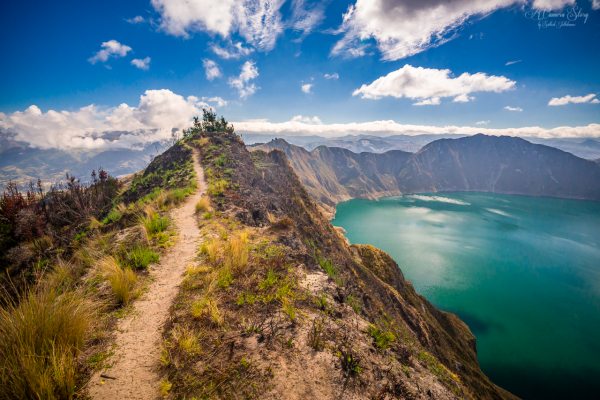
477, 163
302, 314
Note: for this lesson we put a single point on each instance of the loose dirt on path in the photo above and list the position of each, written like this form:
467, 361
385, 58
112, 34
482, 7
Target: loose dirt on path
138, 338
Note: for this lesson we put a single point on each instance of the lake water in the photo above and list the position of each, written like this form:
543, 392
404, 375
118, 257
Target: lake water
522, 272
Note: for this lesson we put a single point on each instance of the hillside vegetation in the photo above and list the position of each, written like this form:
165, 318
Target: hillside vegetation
279, 306
276, 304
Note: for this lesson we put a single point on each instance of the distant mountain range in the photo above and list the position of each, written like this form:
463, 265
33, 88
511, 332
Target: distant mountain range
21, 163
474, 163
582, 147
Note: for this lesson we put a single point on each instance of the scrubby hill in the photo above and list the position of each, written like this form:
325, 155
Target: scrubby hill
476, 163
279, 306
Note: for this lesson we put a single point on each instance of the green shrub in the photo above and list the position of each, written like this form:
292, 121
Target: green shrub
153, 223
113, 216
381, 338
140, 256
217, 187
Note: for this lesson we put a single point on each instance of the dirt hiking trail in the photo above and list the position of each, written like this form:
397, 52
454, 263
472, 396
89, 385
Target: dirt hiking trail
138, 337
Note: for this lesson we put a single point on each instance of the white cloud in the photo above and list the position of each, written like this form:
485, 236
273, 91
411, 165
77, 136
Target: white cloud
463, 98
257, 21
515, 109
401, 28
561, 101
486, 122
390, 127
314, 120
433, 101
306, 87
157, 114
306, 18
112, 48
596, 4
141, 63
429, 85
335, 75
552, 4
231, 50
512, 62
211, 69
219, 101
242, 82
138, 19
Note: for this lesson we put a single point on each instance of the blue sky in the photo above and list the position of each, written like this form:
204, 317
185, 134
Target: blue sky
48, 50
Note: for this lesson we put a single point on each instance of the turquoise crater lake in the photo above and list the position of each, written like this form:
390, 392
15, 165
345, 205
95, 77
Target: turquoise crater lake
522, 272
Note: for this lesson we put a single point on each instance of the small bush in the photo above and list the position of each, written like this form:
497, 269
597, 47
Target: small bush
140, 256
315, 335
122, 280
153, 223
114, 215
177, 196
207, 307
40, 339
165, 387
350, 363
381, 338
187, 341
210, 249
217, 187
269, 281
328, 267
203, 205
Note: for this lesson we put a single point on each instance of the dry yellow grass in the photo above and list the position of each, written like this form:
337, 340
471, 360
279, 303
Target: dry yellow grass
203, 205
237, 252
211, 249
122, 280
40, 338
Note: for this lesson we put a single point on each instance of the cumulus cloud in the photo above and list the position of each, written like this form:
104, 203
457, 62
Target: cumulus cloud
154, 118
243, 82
211, 69
552, 4
219, 101
401, 28
231, 50
334, 76
141, 63
306, 119
433, 101
306, 87
428, 85
298, 126
463, 98
112, 48
257, 21
562, 101
515, 109
485, 122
